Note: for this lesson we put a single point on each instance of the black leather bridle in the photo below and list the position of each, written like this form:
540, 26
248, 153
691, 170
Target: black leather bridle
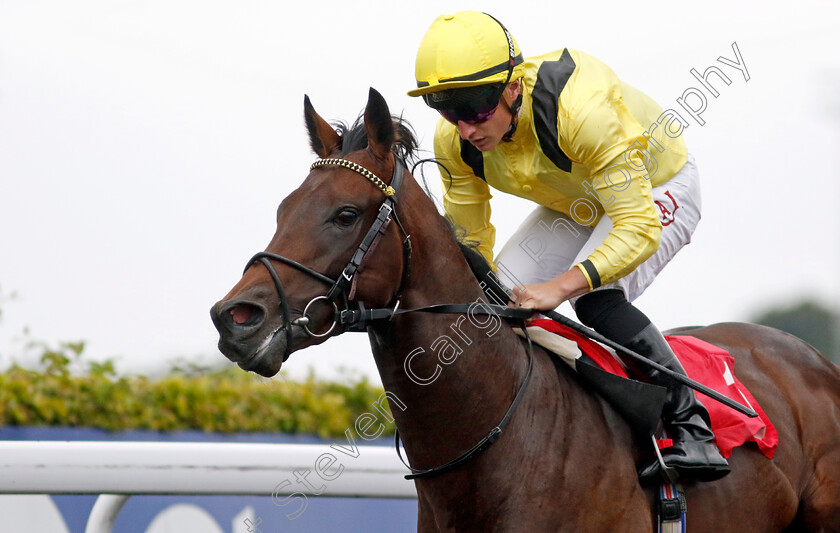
337, 291
357, 319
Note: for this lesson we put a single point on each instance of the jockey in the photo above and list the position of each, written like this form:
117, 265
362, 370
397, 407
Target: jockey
617, 194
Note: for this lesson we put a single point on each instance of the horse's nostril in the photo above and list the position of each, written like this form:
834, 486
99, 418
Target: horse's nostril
245, 314
241, 313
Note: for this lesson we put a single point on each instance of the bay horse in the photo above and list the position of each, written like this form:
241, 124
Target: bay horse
566, 461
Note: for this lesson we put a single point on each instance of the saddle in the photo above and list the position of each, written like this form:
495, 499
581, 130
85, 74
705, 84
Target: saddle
641, 403
703, 362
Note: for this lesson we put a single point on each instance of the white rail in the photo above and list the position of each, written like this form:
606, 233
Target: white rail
118, 469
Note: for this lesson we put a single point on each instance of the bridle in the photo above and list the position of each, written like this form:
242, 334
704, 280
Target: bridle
357, 319
338, 287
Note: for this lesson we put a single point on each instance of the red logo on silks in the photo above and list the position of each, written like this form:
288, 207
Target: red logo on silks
666, 214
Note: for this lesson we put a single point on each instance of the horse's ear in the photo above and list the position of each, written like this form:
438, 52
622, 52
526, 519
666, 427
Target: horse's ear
379, 125
322, 137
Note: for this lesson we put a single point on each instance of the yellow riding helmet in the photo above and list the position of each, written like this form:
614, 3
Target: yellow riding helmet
465, 50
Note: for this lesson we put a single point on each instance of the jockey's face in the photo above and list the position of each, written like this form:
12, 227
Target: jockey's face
486, 135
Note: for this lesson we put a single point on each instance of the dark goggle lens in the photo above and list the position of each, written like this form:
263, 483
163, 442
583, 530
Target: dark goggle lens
470, 116
473, 105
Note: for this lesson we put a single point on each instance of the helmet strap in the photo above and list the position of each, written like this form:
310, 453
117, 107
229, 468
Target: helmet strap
514, 117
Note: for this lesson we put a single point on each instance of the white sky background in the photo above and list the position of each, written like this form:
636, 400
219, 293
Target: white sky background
144, 147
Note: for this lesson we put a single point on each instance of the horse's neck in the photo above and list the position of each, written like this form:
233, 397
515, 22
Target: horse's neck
455, 374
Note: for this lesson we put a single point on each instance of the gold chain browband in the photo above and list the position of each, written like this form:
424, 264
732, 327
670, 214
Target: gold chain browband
373, 178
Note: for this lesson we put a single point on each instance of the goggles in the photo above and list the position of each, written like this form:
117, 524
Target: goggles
473, 105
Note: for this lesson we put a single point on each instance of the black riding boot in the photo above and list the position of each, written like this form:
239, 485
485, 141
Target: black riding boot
693, 454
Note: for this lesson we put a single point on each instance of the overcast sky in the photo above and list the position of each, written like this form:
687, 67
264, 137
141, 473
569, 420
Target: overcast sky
144, 147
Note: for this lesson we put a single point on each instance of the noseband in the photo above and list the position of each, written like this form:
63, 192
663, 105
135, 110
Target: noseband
338, 287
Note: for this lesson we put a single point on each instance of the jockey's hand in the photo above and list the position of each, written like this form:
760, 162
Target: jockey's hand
547, 296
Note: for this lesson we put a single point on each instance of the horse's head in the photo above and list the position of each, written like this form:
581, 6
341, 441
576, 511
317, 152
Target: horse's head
334, 244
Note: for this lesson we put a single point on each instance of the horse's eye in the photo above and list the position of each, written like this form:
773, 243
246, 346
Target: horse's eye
346, 217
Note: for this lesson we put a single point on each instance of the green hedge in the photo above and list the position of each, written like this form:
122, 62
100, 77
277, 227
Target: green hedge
228, 400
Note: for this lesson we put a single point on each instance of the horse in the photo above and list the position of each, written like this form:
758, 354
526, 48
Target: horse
565, 460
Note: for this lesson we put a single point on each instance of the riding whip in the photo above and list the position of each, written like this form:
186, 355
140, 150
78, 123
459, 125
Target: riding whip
685, 380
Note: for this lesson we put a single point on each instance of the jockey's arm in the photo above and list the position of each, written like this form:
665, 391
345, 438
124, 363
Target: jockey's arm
601, 137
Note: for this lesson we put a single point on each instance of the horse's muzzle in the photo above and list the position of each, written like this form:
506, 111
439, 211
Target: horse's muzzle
248, 336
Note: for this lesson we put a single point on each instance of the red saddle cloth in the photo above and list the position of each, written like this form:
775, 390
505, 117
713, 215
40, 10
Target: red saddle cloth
709, 365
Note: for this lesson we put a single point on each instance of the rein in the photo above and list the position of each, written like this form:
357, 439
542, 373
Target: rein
358, 319
487, 441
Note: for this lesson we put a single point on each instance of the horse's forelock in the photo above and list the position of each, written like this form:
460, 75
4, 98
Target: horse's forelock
355, 137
